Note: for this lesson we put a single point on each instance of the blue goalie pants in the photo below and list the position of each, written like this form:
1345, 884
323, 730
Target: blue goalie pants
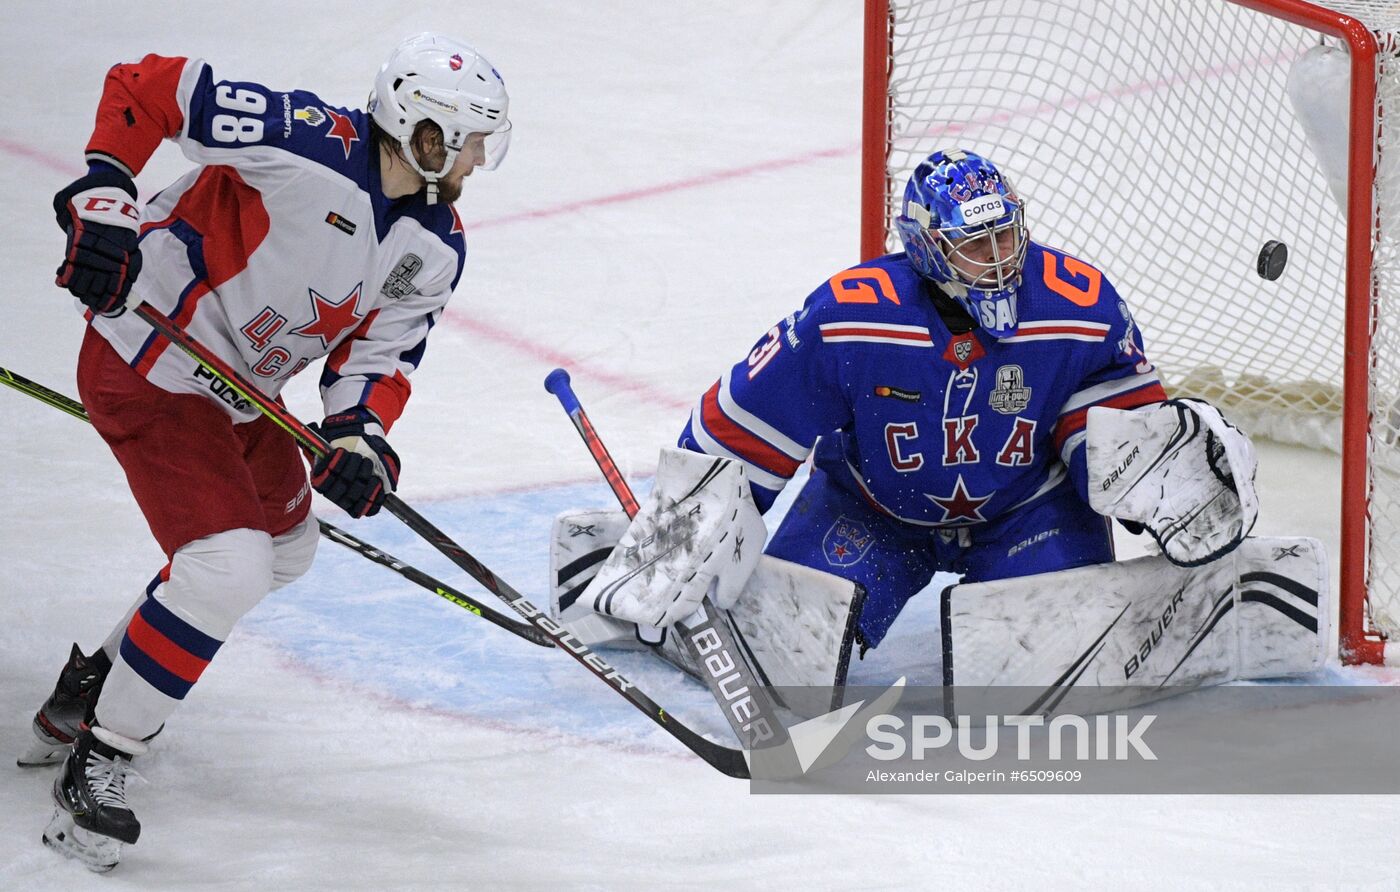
832, 528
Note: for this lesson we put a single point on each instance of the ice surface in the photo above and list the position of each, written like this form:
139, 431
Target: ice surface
681, 176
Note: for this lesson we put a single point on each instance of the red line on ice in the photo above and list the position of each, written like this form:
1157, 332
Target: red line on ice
695, 182
550, 356
627, 383
30, 153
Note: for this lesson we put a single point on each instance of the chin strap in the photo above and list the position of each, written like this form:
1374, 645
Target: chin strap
429, 176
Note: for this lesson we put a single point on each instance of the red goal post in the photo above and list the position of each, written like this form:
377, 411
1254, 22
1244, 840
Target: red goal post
1149, 107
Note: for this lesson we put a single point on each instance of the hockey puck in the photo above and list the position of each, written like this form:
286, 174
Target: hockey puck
1273, 257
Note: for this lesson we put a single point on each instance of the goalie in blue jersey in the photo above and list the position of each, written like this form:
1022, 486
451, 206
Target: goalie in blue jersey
979, 404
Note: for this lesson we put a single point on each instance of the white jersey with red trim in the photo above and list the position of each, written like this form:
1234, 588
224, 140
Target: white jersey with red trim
281, 248
933, 428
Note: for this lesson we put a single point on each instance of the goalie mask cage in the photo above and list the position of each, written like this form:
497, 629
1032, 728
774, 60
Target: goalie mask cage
1156, 139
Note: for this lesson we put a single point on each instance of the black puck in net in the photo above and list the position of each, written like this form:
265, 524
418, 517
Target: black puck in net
1273, 257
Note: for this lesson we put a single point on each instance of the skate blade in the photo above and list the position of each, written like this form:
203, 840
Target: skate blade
41, 753
97, 852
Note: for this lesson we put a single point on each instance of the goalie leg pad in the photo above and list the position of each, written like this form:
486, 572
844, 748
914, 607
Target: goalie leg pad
579, 543
1143, 625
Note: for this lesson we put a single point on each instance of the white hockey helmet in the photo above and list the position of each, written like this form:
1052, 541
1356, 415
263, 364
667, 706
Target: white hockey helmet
436, 78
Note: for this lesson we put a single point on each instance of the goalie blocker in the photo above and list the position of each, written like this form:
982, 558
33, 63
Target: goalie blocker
795, 626
698, 533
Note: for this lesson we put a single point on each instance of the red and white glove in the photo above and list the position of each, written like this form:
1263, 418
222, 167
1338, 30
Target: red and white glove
98, 212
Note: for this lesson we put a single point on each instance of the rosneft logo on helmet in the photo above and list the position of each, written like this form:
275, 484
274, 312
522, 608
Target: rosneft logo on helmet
455, 61
448, 107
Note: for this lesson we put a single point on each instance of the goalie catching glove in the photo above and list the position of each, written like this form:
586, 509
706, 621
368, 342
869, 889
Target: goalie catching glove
699, 533
1180, 470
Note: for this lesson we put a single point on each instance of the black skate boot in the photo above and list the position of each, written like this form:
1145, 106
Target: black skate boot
91, 819
70, 705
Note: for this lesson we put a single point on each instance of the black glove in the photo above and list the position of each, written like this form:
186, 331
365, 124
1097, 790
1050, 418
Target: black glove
361, 469
98, 211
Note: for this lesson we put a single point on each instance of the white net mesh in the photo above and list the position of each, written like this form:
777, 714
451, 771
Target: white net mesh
1156, 140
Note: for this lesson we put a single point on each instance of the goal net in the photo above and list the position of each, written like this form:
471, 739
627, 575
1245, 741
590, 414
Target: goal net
1158, 140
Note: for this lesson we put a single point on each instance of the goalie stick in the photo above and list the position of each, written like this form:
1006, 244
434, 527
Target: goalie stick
329, 530
728, 760
709, 640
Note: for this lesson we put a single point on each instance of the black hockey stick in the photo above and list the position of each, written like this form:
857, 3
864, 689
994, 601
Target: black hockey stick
728, 760
329, 530
709, 640
441, 589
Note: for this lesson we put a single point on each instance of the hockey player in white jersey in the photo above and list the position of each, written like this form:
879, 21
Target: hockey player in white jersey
306, 231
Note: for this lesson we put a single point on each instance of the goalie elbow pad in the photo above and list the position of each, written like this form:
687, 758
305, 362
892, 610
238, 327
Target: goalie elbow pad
1179, 469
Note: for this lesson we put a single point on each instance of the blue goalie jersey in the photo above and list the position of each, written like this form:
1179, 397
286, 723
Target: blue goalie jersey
931, 428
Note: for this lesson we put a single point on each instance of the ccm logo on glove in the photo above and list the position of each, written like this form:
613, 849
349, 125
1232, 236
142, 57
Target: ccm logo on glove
102, 259
360, 469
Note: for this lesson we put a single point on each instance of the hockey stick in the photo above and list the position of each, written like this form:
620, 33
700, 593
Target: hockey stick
441, 589
729, 761
43, 394
329, 530
709, 640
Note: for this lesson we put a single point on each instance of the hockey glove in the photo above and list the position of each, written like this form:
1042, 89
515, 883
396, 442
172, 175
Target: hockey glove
698, 533
361, 469
98, 212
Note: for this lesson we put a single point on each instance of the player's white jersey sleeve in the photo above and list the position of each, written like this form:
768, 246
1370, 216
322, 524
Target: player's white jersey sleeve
241, 124
371, 368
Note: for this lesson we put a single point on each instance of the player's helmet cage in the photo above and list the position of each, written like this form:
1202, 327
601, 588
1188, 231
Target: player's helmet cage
964, 228
433, 77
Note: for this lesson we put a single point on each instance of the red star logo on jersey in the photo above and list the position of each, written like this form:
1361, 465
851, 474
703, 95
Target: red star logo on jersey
960, 505
343, 129
332, 318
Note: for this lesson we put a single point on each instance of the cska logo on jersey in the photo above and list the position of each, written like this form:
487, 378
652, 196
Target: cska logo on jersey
343, 129
331, 319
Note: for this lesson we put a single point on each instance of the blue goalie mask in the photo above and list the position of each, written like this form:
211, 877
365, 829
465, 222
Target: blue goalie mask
964, 228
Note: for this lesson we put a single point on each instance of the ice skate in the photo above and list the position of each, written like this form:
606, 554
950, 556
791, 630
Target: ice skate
58, 721
91, 819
